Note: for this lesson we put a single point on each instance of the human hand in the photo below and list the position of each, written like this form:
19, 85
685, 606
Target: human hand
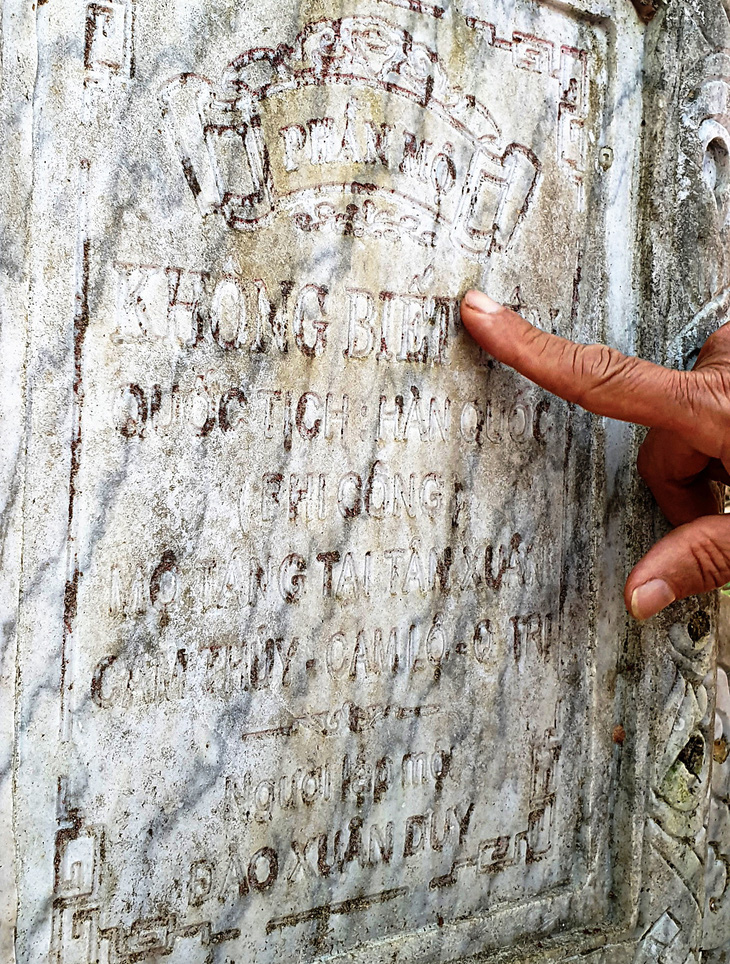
686, 451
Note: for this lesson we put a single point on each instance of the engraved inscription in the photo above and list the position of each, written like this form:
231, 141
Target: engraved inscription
337, 166
108, 41
569, 67
323, 624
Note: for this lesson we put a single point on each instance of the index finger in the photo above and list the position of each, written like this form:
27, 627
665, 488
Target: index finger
599, 379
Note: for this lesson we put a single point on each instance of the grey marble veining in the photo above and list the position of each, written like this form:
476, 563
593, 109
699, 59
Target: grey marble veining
320, 651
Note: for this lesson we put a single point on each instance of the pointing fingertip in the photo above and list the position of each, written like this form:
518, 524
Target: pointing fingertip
651, 598
481, 302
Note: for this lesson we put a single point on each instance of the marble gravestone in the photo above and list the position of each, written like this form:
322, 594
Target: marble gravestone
314, 646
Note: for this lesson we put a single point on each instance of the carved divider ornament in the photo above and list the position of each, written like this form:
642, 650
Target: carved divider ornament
688, 827
712, 111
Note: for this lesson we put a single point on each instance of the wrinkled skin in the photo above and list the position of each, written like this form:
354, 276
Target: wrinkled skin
684, 455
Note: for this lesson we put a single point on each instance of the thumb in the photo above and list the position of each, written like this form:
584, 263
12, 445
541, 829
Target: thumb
693, 558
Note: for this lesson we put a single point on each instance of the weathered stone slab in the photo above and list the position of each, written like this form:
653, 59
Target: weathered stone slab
322, 652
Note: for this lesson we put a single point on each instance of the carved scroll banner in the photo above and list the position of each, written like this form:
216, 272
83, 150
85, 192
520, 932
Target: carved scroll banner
321, 651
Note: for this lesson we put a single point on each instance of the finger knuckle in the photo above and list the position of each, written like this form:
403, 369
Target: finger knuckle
711, 557
595, 367
713, 395
704, 394
683, 387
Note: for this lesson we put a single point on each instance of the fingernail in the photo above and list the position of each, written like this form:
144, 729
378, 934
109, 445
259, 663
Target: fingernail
651, 598
481, 302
